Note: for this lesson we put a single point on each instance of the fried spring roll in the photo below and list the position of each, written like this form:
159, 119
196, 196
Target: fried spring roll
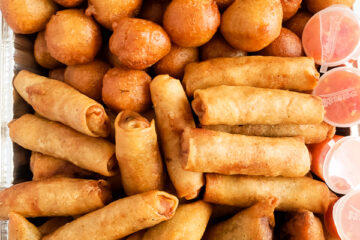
54, 197
303, 226
173, 115
21, 229
219, 152
44, 166
54, 139
58, 101
244, 191
52, 224
254, 223
189, 222
138, 154
295, 73
120, 218
248, 105
312, 133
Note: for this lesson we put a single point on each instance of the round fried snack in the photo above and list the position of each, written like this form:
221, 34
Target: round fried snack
108, 11
288, 44
72, 37
298, 22
68, 3
290, 7
315, 6
153, 10
218, 47
26, 17
57, 74
174, 63
223, 4
41, 53
191, 23
260, 22
126, 89
87, 78
139, 43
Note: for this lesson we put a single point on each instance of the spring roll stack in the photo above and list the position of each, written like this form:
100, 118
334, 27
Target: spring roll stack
248, 157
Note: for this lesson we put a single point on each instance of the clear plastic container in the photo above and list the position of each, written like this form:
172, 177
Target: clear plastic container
339, 89
332, 36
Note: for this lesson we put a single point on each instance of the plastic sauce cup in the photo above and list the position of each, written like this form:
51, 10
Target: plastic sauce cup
339, 90
344, 214
332, 36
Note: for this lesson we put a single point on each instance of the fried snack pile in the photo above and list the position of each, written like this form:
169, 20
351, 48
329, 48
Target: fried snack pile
168, 120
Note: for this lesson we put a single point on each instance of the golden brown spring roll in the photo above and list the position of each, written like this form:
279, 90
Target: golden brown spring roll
57, 140
219, 152
120, 218
52, 224
59, 102
138, 154
312, 133
244, 191
44, 166
189, 222
242, 105
303, 226
21, 229
54, 197
173, 115
254, 223
290, 73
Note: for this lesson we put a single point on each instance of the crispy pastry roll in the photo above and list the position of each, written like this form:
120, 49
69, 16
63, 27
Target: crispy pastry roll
254, 223
189, 222
52, 224
54, 197
219, 152
44, 166
290, 73
138, 154
120, 218
244, 191
242, 105
54, 139
173, 115
59, 102
21, 229
312, 133
303, 226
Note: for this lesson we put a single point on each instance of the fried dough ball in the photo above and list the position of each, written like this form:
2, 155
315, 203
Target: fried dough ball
87, 78
108, 11
288, 44
57, 74
251, 25
298, 22
191, 23
223, 4
72, 37
174, 63
290, 7
126, 89
139, 43
41, 53
153, 10
218, 47
26, 17
68, 3
315, 6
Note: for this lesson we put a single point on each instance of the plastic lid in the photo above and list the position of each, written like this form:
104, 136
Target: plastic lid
346, 216
340, 91
332, 36
341, 165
